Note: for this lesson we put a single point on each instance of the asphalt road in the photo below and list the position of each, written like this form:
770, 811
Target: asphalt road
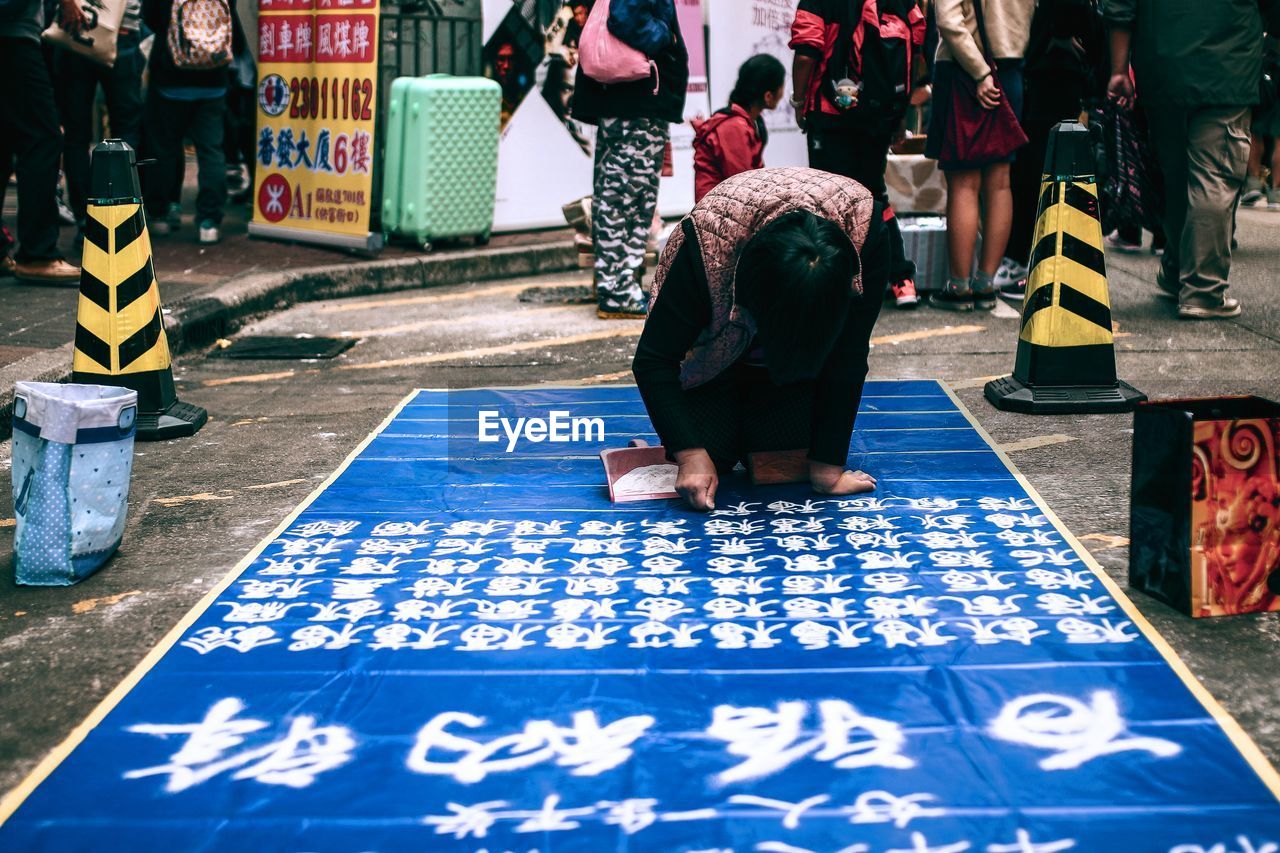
279, 428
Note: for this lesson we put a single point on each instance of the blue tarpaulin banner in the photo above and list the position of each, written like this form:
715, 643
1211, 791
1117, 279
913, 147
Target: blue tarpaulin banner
459, 643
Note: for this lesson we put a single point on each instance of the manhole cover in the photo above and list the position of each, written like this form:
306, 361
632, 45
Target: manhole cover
265, 347
571, 294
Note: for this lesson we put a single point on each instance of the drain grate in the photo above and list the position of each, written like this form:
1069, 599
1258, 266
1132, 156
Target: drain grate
269, 347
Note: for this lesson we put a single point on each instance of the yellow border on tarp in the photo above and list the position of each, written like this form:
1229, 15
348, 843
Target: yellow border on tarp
1248, 749
15, 798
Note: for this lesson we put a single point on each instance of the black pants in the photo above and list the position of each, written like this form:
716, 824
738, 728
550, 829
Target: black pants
1024, 182
78, 81
863, 157
742, 411
168, 122
29, 129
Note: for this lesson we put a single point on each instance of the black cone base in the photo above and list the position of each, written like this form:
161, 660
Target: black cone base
180, 420
1010, 395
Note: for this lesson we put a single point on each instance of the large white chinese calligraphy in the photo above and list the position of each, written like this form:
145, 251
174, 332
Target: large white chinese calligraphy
452, 648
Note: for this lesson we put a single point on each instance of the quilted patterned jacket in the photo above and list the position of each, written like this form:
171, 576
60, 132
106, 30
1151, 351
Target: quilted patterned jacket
725, 220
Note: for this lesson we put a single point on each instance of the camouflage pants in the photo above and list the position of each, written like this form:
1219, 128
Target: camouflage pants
625, 196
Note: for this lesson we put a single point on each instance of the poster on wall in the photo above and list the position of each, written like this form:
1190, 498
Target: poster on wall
741, 29
317, 99
545, 158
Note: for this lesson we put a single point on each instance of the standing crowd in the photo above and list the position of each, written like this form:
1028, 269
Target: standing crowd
181, 71
1187, 86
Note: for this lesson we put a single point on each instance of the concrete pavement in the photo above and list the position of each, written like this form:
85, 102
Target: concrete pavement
278, 428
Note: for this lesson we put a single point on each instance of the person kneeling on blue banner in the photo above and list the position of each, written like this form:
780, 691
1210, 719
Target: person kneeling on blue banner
759, 327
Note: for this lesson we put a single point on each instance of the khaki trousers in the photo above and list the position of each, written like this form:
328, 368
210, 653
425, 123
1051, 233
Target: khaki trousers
1203, 152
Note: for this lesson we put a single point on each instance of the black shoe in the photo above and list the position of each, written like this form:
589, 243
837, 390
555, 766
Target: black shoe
984, 300
948, 301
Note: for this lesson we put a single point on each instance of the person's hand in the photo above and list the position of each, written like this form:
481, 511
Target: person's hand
696, 480
74, 20
835, 480
920, 95
1120, 90
988, 92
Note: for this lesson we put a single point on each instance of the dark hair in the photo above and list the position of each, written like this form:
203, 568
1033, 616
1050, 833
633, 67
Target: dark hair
760, 74
795, 277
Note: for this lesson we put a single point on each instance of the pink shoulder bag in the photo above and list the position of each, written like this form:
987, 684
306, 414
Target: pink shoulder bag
606, 58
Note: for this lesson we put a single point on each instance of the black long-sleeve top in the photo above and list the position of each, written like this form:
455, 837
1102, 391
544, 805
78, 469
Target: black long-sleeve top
683, 311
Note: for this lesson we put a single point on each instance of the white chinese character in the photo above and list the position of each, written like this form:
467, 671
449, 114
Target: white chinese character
454, 545
665, 586
1012, 504
869, 539
403, 528
940, 504
491, 638
605, 528
961, 559
986, 605
414, 609
236, 637
1074, 731
657, 635
257, 611
1065, 579
736, 509
630, 815
539, 528
531, 546
384, 547
663, 565
568, 636
569, 610
815, 585
1246, 845
600, 565
282, 589
406, 637
285, 40
880, 560
729, 565
943, 522
727, 527
294, 760
942, 539
806, 563
769, 740
814, 635
590, 586
520, 587
266, 39
323, 528
467, 821
787, 508
293, 566
508, 610
899, 633
731, 635
1104, 631
1057, 604
360, 38
585, 747
314, 637
302, 38
824, 542
1017, 629
659, 609
735, 546
732, 608
741, 586
1025, 538
1006, 521
864, 504
474, 528
600, 546
431, 587
979, 581
812, 608
342, 38
1061, 557
352, 611
353, 588
861, 524
883, 807
450, 566
883, 607
888, 583
310, 547
663, 528
550, 818
521, 566
373, 566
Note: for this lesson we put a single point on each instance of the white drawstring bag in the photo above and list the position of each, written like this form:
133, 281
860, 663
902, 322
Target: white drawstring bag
72, 457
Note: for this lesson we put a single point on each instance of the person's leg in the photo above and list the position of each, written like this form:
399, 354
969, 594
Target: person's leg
1273, 180
206, 132
997, 217
122, 86
164, 128
623, 207
1217, 155
1168, 136
1253, 179
77, 87
37, 142
962, 236
1024, 185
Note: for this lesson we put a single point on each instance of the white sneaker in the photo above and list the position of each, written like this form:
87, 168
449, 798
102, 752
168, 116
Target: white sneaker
1010, 272
209, 232
1116, 243
159, 228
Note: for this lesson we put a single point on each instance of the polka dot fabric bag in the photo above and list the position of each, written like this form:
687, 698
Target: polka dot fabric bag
72, 455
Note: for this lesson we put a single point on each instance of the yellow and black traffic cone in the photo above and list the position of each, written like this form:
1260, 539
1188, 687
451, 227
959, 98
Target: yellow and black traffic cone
120, 336
1066, 362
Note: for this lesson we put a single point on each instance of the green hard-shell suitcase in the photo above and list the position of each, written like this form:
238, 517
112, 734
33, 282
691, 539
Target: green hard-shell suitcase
441, 158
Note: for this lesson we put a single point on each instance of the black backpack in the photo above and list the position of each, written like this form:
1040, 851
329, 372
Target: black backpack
882, 65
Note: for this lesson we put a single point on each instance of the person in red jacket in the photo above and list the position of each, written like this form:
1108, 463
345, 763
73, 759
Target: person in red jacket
732, 140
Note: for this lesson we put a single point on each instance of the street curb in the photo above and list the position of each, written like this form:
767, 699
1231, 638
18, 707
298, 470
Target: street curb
199, 320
